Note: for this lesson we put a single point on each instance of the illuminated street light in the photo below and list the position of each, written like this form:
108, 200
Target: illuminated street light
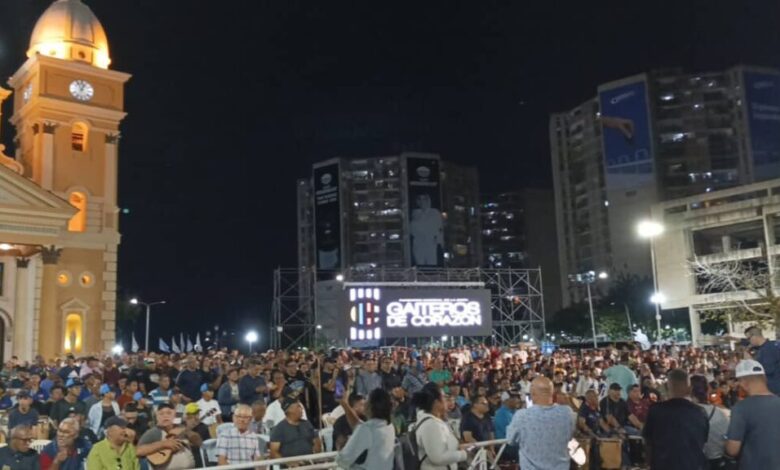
588, 278
135, 301
650, 230
340, 277
444, 338
658, 298
279, 329
117, 349
319, 327
250, 338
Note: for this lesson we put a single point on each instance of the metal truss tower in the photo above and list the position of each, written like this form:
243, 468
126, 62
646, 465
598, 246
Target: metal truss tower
516, 297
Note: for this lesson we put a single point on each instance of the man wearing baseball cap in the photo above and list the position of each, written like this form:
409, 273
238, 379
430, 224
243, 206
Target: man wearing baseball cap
755, 421
23, 413
116, 450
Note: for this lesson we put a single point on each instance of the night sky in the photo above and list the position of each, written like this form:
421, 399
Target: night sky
231, 101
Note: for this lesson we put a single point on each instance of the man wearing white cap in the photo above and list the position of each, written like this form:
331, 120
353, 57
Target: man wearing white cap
768, 354
755, 421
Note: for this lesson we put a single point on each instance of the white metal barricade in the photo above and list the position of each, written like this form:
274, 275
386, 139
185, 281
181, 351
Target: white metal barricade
326, 460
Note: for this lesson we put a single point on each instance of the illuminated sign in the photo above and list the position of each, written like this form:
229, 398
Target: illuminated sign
377, 312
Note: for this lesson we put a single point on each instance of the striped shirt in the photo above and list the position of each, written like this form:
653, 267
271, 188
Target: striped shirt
238, 447
159, 397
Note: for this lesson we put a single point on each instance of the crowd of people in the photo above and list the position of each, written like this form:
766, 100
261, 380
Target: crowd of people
665, 408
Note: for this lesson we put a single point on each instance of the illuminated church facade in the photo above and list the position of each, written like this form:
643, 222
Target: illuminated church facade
58, 195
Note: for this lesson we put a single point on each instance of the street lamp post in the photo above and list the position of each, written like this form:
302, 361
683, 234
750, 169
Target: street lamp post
650, 230
148, 306
250, 338
589, 278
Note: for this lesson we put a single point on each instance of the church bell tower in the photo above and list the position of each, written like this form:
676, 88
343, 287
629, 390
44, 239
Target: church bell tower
68, 106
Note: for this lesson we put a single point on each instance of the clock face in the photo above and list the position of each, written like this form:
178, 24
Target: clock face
81, 90
27, 93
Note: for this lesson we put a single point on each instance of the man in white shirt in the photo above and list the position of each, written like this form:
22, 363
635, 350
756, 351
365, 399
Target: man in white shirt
210, 411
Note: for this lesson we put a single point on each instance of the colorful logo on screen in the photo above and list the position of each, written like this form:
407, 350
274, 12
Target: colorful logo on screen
364, 314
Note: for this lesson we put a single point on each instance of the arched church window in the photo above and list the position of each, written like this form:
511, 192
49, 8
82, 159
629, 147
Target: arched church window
73, 331
78, 223
78, 137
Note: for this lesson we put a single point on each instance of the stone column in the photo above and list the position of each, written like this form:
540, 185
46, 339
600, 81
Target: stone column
47, 164
110, 182
49, 321
695, 319
22, 342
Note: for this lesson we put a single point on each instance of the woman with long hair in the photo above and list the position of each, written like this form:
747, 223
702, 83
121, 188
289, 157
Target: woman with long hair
372, 444
437, 445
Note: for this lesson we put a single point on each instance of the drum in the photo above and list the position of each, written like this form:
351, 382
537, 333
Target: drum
636, 450
585, 444
610, 451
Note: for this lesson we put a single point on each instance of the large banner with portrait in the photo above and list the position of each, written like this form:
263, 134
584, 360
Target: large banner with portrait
426, 224
628, 147
327, 216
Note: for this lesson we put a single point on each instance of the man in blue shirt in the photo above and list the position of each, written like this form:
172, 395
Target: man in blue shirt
24, 413
768, 354
543, 431
189, 381
161, 394
251, 387
504, 414
68, 451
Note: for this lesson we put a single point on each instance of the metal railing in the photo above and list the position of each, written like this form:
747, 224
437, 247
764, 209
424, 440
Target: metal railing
324, 460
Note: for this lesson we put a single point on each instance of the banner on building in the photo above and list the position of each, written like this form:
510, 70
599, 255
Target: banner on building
327, 216
626, 135
426, 224
762, 104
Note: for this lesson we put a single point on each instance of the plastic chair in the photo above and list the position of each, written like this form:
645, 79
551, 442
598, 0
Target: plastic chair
209, 449
327, 438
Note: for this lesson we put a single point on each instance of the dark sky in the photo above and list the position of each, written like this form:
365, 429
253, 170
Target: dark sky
231, 101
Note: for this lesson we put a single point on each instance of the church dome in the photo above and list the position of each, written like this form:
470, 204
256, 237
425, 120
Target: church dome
69, 30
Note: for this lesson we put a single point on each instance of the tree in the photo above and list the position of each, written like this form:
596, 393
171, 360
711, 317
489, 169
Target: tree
628, 295
743, 291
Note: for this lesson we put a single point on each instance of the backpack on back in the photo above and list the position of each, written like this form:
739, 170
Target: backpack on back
409, 450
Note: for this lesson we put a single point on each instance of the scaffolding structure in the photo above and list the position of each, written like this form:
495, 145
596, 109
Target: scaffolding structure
516, 298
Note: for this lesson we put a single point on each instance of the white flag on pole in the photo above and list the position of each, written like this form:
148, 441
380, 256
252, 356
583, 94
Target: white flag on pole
189, 344
134, 347
163, 347
198, 346
174, 346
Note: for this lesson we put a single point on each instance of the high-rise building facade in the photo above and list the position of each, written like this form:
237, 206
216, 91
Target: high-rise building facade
397, 211
518, 231
649, 138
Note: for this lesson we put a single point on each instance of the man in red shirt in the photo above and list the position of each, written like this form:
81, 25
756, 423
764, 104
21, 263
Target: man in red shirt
637, 407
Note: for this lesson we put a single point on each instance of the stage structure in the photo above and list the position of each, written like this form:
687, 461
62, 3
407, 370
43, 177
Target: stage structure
309, 305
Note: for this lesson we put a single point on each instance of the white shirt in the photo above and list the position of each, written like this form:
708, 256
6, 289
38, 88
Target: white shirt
438, 446
205, 408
